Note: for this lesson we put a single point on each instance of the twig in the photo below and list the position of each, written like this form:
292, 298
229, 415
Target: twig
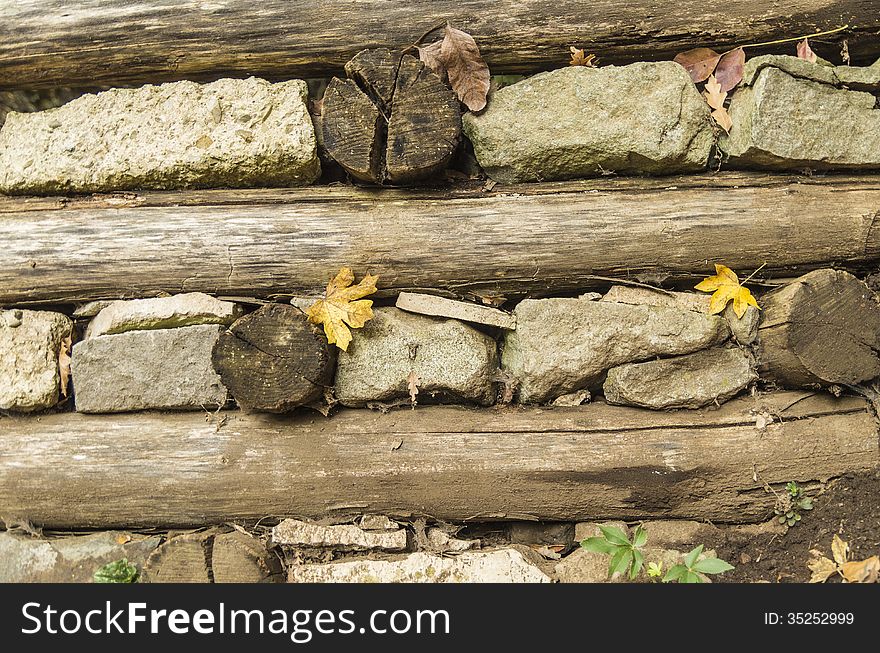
795, 38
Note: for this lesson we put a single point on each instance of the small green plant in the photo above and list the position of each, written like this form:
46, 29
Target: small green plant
625, 555
690, 571
120, 571
655, 570
789, 505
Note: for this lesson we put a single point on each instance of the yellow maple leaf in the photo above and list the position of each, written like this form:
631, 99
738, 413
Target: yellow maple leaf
726, 287
342, 305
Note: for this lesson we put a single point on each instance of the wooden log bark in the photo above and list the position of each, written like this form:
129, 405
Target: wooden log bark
527, 240
567, 464
822, 328
274, 360
52, 43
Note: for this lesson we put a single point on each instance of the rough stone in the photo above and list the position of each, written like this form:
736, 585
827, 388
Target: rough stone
679, 534
686, 301
229, 133
578, 121
140, 370
30, 342
466, 311
378, 523
91, 309
451, 359
831, 128
75, 559
187, 309
439, 541
564, 345
345, 537
744, 329
530, 533
691, 381
501, 566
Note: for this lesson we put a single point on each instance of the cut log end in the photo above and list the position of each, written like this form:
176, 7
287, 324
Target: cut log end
394, 121
273, 360
823, 328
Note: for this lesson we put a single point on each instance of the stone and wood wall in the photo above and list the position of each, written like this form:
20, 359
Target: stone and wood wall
537, 362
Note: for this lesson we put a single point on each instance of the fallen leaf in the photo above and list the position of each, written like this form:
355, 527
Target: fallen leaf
468, 73
804, 52
729, 71
578, 58
844, 52
839, 549
715, 97
862, 571
699, 62
430, 56
64, 364
342, 305
726, 287
412, 384
822, 569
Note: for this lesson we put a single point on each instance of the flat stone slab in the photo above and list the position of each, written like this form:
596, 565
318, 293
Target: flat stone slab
75, 559
578, 122
229, 133
30, 342
693, 381
144, 370
345, 537
563, 345
791, 114
449, 358
186, 309
500, 566
442, 307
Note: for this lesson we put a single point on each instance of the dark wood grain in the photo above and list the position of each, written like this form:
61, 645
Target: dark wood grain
46, 43
528, 240
453, 463
274, 360
823, 328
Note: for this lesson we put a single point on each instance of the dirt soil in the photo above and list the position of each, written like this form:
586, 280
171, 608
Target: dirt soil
850, 507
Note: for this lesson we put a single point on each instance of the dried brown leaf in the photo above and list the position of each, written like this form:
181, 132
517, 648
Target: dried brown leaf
699, 62
579, 59
430, 56
715, 97
412, 384
861, 571
729, 71
64, 364
822, 569
805, 52
468, 73
839, 549
342, 307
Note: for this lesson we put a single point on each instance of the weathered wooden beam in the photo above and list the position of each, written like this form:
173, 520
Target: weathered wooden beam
452, 463
54, 42
527, 240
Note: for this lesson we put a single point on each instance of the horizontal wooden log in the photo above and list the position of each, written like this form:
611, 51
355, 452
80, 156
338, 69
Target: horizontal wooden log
528, 240
590, 462
55, 42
